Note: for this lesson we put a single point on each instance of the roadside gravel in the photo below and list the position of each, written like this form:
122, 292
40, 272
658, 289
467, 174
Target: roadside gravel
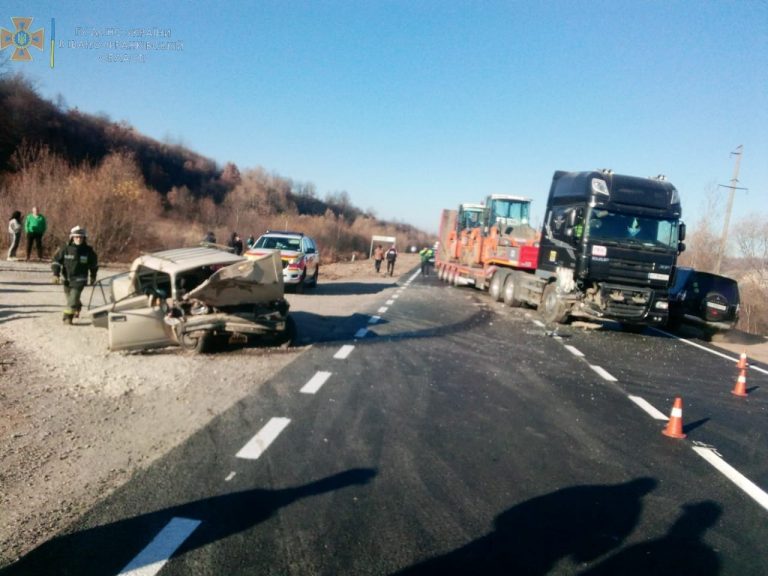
76, 421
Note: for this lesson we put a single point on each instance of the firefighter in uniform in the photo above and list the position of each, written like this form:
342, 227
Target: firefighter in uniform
74, 266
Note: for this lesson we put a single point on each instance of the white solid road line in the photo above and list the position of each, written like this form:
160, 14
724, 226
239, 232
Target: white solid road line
315, 383
152, 559
752, 490
603, 373
715, 352
257, 445
574, 351
361, 333
344, 352
648, 407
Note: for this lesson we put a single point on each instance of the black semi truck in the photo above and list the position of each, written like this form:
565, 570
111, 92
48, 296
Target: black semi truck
608, 248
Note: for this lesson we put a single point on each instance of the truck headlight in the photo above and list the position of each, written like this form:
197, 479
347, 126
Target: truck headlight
662, 305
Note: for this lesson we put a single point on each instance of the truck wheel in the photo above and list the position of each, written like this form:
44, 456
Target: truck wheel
451, 276
497, 286
553, 310
511, 290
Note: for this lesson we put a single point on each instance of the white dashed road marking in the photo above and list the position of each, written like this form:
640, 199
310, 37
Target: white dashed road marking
374, 319
648, 407
361, 333
382, 310
315, 383
757, 368
389, 302
752, 490
152, 559
344, 352
574, 351
257, 445
603, 373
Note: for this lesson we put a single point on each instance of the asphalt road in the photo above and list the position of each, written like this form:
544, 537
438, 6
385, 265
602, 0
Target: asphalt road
453, 436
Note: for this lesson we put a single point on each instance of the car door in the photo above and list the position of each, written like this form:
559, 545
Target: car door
139, 328
311, 256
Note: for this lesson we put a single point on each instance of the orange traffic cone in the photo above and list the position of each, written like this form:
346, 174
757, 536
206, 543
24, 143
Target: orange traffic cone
674, 427
740, 388
742, 363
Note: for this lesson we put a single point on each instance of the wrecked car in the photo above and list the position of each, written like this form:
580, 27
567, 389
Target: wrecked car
704, 299
193, 298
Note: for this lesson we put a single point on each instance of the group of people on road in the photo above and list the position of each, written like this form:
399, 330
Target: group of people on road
235, 242
33, 226
74, 265
390, 255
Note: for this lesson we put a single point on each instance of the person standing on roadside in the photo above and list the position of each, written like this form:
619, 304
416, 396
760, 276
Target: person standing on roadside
391, 257
74, 266
235, 243
426, 256
14, 229
34, 228
378, 256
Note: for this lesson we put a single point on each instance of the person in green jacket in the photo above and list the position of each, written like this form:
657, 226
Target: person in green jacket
74, 265
34, 228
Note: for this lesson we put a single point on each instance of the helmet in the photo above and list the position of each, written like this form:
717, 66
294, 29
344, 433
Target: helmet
78, 231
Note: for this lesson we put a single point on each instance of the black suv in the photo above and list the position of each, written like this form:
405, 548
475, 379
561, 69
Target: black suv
703, 298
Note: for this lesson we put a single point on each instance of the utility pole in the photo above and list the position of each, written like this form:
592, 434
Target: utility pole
735, 180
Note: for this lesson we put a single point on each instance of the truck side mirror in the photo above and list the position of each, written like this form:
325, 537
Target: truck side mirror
680, 247
681, 232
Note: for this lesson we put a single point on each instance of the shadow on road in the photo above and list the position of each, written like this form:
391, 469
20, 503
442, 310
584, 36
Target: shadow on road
109, 548
350, 288
581, 524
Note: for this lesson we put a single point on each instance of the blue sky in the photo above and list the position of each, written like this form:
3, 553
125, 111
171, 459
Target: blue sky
414, 106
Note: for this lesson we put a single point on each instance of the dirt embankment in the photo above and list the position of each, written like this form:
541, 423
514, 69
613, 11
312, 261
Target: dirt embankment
77, 420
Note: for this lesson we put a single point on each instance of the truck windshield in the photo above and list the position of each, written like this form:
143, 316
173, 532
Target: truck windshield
627, 229
470, 219
509, 212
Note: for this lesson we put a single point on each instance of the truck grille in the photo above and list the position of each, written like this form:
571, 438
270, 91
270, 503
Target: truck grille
625, 302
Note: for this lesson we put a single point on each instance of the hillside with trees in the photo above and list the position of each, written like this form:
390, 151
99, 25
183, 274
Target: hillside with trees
135, 193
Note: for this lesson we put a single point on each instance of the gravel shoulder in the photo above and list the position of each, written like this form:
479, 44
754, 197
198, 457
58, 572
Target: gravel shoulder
76, 421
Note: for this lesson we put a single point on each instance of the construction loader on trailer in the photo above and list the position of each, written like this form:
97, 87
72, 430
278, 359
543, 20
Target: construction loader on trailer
480, 244
608, 249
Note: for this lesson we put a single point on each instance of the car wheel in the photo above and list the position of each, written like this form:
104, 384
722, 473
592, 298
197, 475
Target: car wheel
553, 310
300, 286
313, 284
714, 307
198, 344
287, 337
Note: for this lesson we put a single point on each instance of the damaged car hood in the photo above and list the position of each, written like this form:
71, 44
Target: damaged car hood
245, 282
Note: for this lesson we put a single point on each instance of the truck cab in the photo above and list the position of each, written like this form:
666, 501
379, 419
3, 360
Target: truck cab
609, 244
